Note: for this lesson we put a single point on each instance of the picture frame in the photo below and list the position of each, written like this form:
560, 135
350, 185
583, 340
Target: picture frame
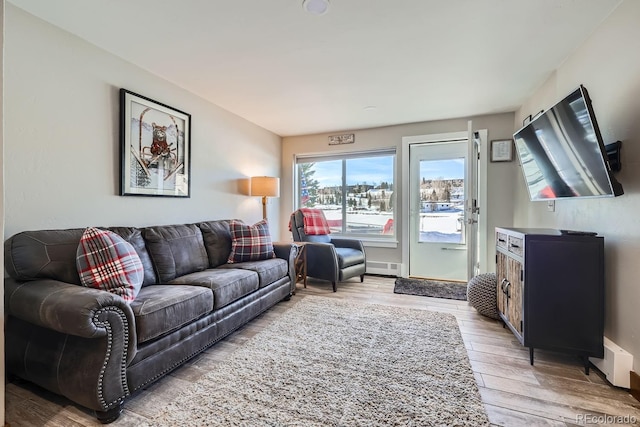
502, 150
155, 148
348, 138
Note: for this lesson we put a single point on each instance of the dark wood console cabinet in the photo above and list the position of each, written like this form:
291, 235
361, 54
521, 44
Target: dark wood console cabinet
550, 289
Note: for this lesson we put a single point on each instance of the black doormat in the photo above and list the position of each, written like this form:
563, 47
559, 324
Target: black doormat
431, 288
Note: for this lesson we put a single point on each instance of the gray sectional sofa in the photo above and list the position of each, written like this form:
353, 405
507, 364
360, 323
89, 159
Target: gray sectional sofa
94, 348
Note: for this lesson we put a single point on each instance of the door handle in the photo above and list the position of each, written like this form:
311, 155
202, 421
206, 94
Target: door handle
505, 285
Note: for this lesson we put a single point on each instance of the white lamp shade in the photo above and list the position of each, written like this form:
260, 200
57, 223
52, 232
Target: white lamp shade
265, 186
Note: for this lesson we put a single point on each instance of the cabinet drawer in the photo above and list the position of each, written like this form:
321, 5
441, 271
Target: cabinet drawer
501, 240
515, 245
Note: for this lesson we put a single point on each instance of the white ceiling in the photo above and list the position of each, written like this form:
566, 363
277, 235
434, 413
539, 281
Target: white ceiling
365, 63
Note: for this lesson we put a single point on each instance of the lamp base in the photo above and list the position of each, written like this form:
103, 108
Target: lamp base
264, 207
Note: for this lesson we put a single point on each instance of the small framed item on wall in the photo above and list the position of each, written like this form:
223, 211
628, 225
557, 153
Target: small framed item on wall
155, 148
502, 150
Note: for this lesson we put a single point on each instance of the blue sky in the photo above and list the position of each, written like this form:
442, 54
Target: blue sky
374, 170
445, 169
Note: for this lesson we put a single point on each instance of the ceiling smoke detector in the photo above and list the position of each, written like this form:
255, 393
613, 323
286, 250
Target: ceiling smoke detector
316, 7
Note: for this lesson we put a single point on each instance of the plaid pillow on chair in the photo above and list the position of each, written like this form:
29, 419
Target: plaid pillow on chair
314, 222
250, 242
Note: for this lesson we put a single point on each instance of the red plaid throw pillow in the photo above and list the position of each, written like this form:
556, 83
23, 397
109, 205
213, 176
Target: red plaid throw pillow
314, 222
250, 242
106, 261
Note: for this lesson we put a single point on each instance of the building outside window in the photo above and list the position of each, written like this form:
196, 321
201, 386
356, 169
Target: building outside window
355, 191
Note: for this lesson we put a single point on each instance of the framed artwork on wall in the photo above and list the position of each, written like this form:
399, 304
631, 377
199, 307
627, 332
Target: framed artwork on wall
155, 148
502, 150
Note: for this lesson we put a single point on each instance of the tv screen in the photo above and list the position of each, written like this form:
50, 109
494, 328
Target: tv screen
562, 153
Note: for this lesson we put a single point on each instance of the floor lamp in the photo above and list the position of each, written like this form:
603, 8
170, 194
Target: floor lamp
265, 186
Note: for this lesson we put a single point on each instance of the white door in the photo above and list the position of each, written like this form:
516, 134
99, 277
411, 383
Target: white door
440, 210
457, 253
472, 208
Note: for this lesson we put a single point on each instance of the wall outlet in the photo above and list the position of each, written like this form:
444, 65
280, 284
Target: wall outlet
551, 205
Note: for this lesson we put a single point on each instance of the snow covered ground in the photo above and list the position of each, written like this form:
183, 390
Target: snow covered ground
441, 226
445, 227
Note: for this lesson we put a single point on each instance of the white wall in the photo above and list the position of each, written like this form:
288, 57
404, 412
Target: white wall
500, 206
608, 64
62, 149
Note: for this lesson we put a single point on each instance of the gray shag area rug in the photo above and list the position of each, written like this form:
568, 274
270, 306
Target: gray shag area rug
326, 362
431, 288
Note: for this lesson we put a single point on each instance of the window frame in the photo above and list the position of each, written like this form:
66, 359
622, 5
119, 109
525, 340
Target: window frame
381, 240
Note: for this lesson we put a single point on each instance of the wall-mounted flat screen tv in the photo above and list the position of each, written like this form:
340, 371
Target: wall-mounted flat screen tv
562, 153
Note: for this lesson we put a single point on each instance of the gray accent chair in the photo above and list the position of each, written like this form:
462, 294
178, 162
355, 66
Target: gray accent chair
330, 258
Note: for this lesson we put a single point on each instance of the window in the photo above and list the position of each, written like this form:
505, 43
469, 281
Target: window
355, 191
442, 200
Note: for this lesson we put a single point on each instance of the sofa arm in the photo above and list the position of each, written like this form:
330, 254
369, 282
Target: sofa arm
347, 243
68, 309
288, 252
285, 250
63, 307
71, 340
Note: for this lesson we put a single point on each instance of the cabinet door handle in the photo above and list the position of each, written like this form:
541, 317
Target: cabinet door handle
508, 289
502, 240
502, 284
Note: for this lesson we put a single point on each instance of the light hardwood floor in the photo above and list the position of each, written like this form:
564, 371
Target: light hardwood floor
553, 392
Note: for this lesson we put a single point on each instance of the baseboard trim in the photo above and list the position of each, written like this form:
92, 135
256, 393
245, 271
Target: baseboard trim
635, 385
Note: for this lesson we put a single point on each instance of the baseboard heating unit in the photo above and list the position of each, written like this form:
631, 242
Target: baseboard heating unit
384, 268
616, 364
